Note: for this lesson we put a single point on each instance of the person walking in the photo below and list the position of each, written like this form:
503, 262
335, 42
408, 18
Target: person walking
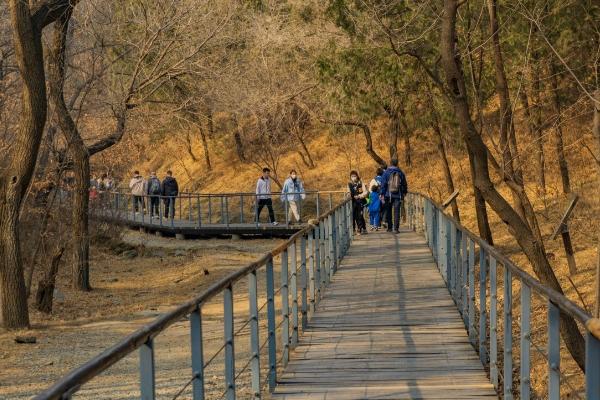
293, 193
263, 195
358, 194
374, 208
393, 190
378, 181
154, 192
137, 185
170, 190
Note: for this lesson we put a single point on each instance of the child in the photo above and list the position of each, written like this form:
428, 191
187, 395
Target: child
374, 208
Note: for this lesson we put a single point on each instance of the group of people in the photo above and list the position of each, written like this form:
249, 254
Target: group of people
292, 193
383, 198
154, 190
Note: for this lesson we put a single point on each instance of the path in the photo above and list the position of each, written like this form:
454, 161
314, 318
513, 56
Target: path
386, 328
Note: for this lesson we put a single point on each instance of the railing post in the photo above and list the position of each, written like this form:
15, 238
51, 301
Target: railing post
241, 208
333, 230
285, 309
592, 366
197, 354
482, 305
271, 325
199, 211
254, 334
472, 335
457, 267
318, 206
311, 269
147, 381
317, 245
210, 209
525, 359
493, 324
229, 349
465, 280
227, 211
324, 273
189, 196
508, 363
449, 273
553, 352
304, 307
294, 290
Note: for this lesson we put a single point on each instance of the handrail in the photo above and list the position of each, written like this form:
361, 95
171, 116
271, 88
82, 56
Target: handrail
453, 248
332, 234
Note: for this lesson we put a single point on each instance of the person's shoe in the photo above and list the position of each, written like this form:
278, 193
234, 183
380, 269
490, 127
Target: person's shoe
275, 223
364, 232
388, 230
396, 231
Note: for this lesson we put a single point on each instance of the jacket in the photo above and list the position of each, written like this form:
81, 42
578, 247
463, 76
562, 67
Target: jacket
374, 202
150, 182
263, 188
137, 184
170, 187
375, 182
292, 191
358, 189
385, 190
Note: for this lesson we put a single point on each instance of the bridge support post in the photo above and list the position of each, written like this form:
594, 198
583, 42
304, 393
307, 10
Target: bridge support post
254, 335
294, 290
229, 342
465, 280
471, 272
508, 340
334, 256
147, 379
482, 306
311, 269
324, 273
272, 343
317, 245
197, 354
592, 366
304, 307
493, 324
553, 352
285, 309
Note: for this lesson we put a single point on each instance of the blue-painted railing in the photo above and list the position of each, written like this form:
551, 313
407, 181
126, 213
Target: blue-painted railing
454, 249
308, 260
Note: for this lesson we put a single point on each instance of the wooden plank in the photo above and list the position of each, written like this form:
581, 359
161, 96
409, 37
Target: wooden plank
386, 328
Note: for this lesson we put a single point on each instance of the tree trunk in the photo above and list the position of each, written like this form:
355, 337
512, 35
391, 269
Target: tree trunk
596, 134
237, 136
533, 249
205, 147
483, 221
559, 145
368, 139
446, 167
508, 143
310, 163
393, 130
188, 146
406, 137
536, 109
45, 290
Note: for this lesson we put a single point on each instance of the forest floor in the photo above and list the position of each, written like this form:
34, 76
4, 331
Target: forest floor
128, 292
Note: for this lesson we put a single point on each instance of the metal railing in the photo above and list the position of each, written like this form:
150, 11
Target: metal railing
308, 260
454, 249
212, 209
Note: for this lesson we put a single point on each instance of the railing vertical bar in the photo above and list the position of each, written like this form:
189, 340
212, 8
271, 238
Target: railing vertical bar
197, 354
254, 334
241, 209
199, 211
227, 211
294, 290
317, 244
465, 280
147, 379
333, 230
525, 359
493, 323
304, 280
324, 273
553, 352
189, 208
471, 272
285, 308
311, 270
272, 342
482, 305
458, 268
592, 367
229, 341
209, 209
508, 361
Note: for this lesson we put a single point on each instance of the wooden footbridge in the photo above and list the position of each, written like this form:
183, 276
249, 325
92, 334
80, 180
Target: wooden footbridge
414, 315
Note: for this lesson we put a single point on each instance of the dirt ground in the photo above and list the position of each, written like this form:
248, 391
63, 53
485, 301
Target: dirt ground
127, 293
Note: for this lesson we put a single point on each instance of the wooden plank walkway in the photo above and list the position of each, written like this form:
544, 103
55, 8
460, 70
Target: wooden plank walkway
386, 328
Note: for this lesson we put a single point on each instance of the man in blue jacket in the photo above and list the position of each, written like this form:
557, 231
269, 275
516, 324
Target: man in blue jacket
393, 190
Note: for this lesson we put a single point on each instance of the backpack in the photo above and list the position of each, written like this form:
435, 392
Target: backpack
155, 186
394, 182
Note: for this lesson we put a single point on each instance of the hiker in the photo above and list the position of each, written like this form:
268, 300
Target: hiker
377, 181
137, 184
154, 191
358, 193
293, 193
374, 208
105, 182
393, 190
170, 190
263, 195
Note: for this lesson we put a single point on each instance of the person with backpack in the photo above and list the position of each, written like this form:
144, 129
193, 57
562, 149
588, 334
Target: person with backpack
138, 188
293, 194
154, 191
170, 190
263, 195
358, 194
374, 208
393, 190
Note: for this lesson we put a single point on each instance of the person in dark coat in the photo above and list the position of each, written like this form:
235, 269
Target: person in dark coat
170, 190
358, 194
393, 190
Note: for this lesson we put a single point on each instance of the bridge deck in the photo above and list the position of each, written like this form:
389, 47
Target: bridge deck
386, 328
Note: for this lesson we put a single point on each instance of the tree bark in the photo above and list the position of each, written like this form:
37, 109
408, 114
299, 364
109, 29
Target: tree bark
596, 135
533, 248
406, 137
205, 145
393, 130
558, 132
309, 161
368, 138
536, 110
45, 290
445, 165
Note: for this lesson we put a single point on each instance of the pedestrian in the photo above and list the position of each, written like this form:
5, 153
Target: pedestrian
154, 191
170, 190
358, 193
393, 190
374, 208
263, 195
137, 185
377, 181
293, 193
